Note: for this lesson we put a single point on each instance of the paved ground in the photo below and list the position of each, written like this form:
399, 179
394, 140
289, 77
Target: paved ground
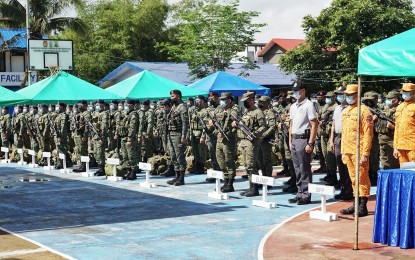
92, 218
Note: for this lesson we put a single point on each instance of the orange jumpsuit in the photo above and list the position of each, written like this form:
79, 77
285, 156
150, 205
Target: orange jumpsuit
404, 139
348, 145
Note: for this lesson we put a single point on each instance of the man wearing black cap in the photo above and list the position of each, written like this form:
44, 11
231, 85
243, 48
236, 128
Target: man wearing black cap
303, 131
128, 135
61, 136
177, 129
99, 137
147, 123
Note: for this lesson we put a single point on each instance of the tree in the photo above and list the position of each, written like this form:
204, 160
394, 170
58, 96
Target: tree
45, 16
333, 39
210, 35
118, 31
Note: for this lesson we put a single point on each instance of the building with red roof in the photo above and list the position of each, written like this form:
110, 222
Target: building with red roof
276, 48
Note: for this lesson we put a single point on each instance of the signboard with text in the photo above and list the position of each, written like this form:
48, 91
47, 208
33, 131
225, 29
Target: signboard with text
15, 78
47, 53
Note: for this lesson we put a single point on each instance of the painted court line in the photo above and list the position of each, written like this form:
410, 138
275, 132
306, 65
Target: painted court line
8, 254
43, 247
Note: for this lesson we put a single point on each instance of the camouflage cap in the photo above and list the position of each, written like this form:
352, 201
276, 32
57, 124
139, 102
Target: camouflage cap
264, 99
370, 95
393, 94
329, 94
247, 95
226, 95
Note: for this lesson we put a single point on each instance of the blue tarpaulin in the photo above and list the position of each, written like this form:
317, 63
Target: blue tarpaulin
224, 82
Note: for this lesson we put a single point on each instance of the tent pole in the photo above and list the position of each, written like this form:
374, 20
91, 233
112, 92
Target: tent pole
357, 167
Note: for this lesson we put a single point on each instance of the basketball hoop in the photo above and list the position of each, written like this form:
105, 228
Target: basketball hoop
55, 70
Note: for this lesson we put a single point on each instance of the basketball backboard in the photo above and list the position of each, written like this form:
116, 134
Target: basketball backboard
48, 53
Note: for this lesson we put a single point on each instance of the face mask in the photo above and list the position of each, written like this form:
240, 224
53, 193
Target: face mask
126, 109
142, 108
340, 98
97, 108
75, 111
24, 110
222, 103
313, 100
90, 109
152, 106
189, 104
350, 100
4, 112
57, 110
388, 102
50, 109
112, 107
328, 101
40, 112
31, 112
68, 111
296, 94
260, 105
379, 100
173, 100
406, 95
212, 103
275, 104
246, 104
120, 108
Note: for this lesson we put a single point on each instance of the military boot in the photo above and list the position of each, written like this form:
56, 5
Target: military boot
82, 168
169, 172
362, 212
248, 190
132, 175
350, 210
253, 192
180, 180
172, 181
225, 183
101, 171
229, 187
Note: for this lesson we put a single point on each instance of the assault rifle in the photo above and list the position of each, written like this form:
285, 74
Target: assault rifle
92, 127
52, 126
381, 115
217, 125
73, 123
27, 125
284, 127
37, 127
244, 128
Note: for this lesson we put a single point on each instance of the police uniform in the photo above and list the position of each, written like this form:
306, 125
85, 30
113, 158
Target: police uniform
303, 124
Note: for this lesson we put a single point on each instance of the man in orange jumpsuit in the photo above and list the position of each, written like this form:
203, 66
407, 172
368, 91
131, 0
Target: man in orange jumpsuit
348, 147
404, 139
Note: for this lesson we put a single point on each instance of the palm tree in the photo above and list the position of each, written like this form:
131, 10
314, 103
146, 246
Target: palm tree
45, 16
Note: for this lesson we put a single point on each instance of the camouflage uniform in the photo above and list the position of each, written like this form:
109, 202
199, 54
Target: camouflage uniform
265, 149
61, 124
128, 133
5, 130
99, 137
83, 133
147, 123
196, 133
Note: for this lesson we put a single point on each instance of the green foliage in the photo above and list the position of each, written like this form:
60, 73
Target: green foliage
209, 35
118, 31
336, 35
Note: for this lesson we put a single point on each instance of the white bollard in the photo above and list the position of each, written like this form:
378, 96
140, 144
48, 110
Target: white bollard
33, 154
87, 173
20, 151
217, 194
147, 168
265, 181
323, 190
62, 156
114, 162
47, 155
6, 151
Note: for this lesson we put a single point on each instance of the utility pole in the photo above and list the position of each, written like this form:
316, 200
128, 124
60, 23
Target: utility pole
29, 76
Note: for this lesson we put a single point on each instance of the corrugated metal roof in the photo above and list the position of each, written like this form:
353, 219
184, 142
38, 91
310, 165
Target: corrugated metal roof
266, 75
15, 38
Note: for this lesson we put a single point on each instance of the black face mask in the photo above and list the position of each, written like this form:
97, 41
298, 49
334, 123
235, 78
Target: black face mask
173, 101
212, 102
321, 102
260, 105
246, 104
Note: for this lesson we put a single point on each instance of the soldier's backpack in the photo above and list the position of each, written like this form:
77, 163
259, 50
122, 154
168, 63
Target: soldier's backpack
158, 164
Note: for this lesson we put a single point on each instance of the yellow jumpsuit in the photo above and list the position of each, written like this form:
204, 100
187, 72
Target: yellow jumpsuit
348, 145
404, 139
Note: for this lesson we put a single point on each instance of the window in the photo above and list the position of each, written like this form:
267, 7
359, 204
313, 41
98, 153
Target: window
2, 62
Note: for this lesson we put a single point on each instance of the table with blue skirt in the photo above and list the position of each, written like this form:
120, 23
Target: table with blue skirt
394, 223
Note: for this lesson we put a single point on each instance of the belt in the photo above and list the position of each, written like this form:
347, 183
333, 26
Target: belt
338, 135
300, 136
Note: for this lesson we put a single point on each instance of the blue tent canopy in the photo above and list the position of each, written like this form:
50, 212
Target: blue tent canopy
224, 82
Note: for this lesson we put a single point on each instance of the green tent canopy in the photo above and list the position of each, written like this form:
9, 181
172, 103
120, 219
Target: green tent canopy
8, 97
146, 84
66, 88
394, 56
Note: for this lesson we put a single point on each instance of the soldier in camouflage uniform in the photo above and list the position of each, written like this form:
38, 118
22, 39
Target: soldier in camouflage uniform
140, 125
177, 127
147, 122
386, 131
32, 119
158, 127
18, 130
325, 123
320, 98
61, 136
196, 130
82, 134
254, 119
128, 135
44, 141
114, 123
99, 136
52, 114
166, 108
211, 134
265, 148
5, 128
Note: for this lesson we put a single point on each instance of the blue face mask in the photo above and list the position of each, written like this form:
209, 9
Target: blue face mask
126, 109
296, 94
328, 101
350, 100
222, 103
340, 98
406, 95
388, 102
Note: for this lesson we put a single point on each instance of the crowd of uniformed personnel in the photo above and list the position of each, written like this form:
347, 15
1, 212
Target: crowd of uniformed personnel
219, 131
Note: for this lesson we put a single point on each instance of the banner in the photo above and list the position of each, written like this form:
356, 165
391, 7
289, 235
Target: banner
15, 78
